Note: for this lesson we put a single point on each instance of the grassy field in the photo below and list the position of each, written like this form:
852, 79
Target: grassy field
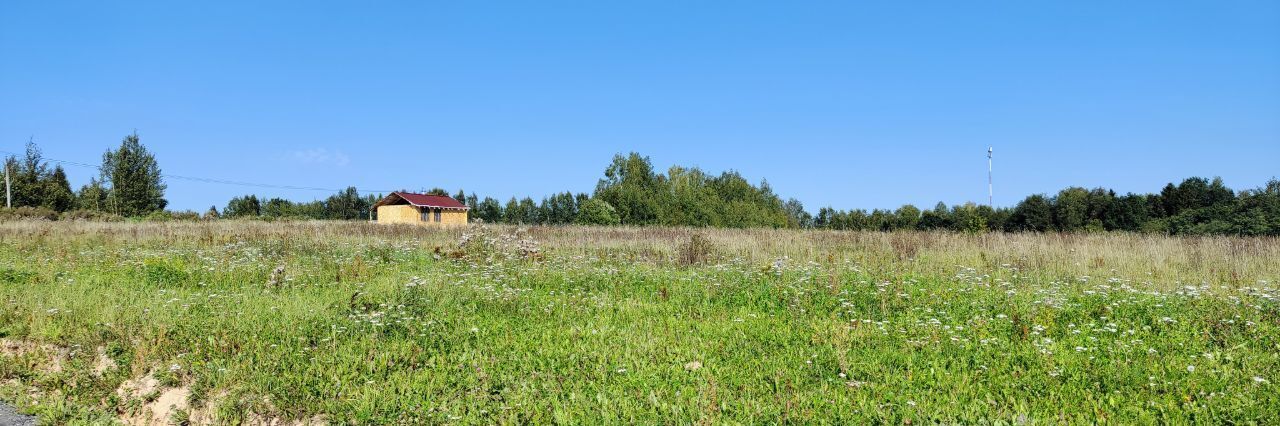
315, 322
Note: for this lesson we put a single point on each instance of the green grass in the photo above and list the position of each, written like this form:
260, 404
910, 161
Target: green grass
372, 326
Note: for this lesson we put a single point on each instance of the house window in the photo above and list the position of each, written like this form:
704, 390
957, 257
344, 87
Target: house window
424, 214
437, 215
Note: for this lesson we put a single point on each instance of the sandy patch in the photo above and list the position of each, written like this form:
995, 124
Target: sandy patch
158, 411
103, 363
52, 356
170, 400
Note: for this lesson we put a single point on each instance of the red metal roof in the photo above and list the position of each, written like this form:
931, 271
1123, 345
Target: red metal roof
424, 200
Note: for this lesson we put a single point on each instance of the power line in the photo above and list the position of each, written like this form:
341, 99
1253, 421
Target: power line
208, 180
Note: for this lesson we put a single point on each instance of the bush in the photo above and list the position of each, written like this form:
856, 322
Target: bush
597, 212
166, 216
696, 250
28, 213
187, 215
1160, 226
90, 216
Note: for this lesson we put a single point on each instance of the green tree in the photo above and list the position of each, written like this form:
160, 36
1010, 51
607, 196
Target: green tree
1258, 212
28, 176
906, 217
797, 217
512, 213
854, 220
881, 220
246, 206
996, 218
92, 196
346, 205
472, 202
938, 218
631, 187
1130, 212
311, 210
1071, 209
530, 215
57, 191
133, 178
1033, 214
966, 218
489, 210
277, 208
824, 217
595, 211
34, 184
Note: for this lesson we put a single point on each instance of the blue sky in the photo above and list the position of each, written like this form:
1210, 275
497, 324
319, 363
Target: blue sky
851, 105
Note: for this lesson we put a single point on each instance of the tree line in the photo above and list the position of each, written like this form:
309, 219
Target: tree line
347, 204
129, 183
1196, 206
633, 192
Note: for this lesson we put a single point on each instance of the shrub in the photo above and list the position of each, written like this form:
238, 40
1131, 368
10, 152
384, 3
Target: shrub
166, 216
597, 212
158, 216
28, 213
90, 216
186, 215
697, 250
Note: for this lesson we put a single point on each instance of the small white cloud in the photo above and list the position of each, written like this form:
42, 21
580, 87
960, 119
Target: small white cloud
322, 156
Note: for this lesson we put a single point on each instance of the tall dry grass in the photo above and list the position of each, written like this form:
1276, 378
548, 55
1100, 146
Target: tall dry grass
1159, 259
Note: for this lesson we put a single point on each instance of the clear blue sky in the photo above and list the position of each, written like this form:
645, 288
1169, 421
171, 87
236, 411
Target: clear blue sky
852, 105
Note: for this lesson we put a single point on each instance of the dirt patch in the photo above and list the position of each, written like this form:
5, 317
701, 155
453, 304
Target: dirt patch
208, 413
152, 403
165, 402
103, 363
138, 387
158, 404
51, 358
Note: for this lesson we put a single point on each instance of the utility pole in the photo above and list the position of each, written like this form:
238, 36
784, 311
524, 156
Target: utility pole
8, 193
990, 188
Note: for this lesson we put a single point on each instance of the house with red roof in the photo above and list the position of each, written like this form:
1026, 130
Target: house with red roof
420, 209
